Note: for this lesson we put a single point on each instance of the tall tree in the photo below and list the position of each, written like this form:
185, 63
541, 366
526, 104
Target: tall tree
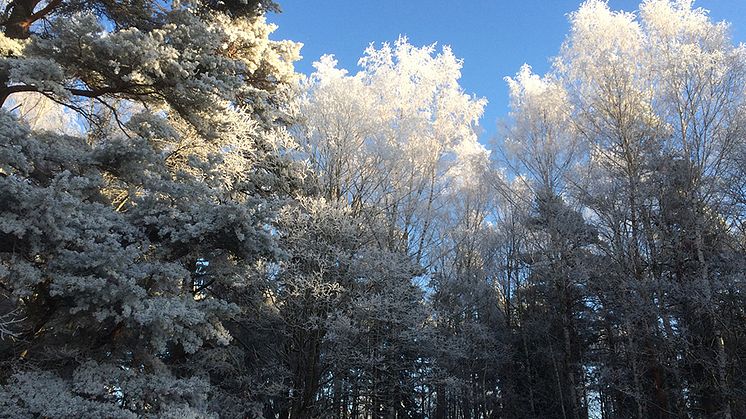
393, 136
106, 236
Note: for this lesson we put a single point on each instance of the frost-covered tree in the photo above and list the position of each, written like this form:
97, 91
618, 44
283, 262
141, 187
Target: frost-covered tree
378, 343
323, 241
393, 136
397, 141
655, 101
118, 240
349, 322
541, 144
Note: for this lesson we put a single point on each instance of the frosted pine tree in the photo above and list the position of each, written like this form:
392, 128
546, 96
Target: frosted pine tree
112, 240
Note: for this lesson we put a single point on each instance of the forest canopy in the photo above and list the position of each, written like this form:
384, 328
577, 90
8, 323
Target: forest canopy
190, 228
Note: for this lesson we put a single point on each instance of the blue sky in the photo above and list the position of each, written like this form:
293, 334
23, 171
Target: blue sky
493, 37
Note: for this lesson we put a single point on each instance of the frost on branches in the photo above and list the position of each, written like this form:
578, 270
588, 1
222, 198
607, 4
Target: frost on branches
172, 166
396, 135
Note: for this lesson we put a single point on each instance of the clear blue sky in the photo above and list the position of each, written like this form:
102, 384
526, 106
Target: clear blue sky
493, 37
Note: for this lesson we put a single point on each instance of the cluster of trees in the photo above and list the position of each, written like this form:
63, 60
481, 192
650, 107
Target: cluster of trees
189, 228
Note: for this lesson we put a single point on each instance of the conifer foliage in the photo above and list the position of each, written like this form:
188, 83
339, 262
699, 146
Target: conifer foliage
112, 239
